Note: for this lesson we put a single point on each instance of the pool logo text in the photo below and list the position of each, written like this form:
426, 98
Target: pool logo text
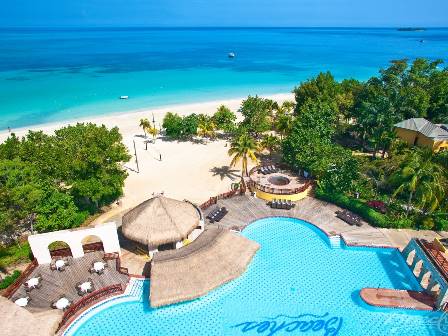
329, 326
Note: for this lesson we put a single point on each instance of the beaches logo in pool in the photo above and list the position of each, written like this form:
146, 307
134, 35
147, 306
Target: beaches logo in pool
329, 326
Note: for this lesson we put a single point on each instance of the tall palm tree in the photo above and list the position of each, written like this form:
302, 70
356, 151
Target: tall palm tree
422, 180
243, 149
145, 124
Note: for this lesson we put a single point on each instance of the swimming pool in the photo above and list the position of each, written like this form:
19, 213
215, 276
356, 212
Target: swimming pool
299, 283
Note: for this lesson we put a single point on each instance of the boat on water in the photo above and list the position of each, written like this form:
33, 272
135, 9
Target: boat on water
231, 55
124, 97
411, 29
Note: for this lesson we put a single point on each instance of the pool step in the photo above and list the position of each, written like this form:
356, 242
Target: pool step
135, 288
335, 242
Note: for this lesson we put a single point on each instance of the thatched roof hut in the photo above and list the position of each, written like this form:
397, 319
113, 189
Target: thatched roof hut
217, 256
17, 321
160, 220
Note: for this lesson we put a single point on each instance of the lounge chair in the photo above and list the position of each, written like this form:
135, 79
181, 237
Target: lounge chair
349, 218
276, 204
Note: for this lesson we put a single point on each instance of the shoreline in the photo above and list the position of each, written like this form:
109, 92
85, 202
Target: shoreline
123, 119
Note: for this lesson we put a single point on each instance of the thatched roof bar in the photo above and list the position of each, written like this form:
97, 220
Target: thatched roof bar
214, 258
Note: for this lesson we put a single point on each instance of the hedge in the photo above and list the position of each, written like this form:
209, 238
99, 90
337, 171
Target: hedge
370, 215
8, 280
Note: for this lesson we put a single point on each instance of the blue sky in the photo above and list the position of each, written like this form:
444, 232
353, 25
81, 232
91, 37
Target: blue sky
299, 13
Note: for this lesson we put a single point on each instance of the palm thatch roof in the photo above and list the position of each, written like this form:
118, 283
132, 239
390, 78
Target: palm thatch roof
160, 220
17, 321
217, 256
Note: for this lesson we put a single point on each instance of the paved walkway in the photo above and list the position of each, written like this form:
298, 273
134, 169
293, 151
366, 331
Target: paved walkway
246, 209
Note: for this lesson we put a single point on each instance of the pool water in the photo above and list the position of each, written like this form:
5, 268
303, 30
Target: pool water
299, 283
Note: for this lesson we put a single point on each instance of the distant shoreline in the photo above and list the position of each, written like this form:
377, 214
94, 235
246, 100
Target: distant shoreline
128, 120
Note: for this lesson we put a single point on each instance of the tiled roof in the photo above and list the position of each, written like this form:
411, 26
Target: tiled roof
424, 127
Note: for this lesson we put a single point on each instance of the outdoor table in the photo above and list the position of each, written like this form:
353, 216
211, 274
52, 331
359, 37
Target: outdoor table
22, 302
98, 266
85, 286
33, 282
59, 263
62, 303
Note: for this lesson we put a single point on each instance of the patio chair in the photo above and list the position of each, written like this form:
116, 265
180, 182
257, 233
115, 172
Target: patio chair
27, 288
53, 305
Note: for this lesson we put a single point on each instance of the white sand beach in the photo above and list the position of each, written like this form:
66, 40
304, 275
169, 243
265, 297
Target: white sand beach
188, 170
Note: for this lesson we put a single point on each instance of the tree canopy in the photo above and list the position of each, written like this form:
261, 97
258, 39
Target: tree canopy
55, 180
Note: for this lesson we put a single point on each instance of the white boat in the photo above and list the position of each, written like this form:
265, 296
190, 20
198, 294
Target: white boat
124, 97
231, 55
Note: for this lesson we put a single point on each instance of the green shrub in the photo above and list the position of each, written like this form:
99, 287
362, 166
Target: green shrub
8, 280
441, 224
357, 206
15, 254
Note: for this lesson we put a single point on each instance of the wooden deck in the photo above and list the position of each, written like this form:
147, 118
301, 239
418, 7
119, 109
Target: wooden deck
392, 298
55, 283
245, 209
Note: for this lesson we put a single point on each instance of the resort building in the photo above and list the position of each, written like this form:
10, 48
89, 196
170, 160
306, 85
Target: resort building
423, 133
189, 250
429, 261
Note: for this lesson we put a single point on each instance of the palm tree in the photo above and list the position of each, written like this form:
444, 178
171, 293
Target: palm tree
145, 124
422, 180
206, 128
283, 124
270, 143
153, 131
243, 148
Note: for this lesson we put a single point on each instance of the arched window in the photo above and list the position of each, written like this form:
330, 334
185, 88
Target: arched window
59, 249
92, 243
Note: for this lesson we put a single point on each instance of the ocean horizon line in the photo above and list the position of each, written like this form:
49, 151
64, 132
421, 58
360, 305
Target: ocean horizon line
143, 27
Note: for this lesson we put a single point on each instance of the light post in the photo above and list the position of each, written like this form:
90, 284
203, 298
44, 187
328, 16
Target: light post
136, 158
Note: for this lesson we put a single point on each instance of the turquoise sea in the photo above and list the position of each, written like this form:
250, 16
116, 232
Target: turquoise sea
50, 75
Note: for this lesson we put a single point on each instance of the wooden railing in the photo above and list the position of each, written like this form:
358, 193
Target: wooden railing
8, 293
62, 252
88, 300
92, 247
214, 200
437, 258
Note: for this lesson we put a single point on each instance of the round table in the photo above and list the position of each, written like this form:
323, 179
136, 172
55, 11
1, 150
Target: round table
85, 286
62, 303
22, 302
98, 266
33, 282
59, 263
